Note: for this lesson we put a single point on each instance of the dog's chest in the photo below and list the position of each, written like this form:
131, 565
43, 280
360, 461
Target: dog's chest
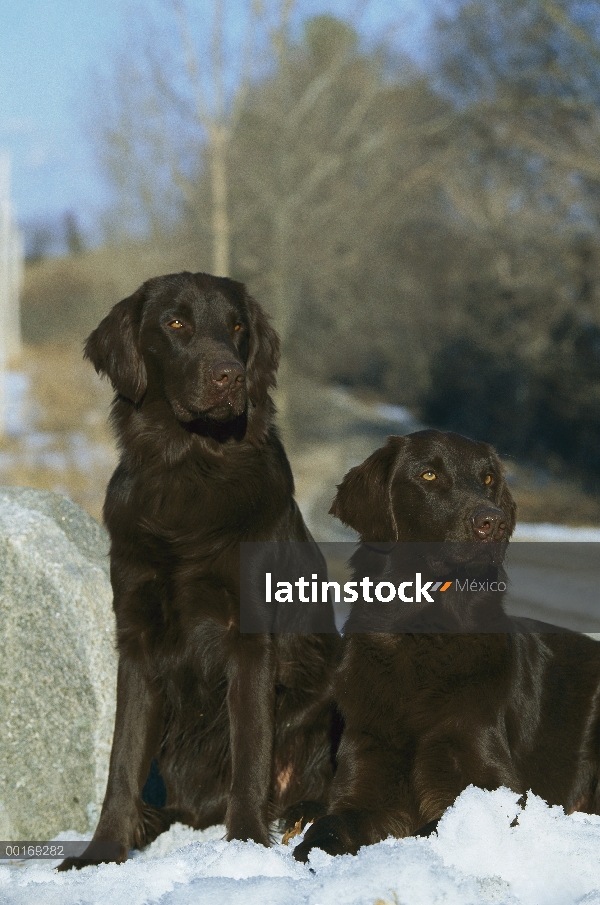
198, 500
393, 682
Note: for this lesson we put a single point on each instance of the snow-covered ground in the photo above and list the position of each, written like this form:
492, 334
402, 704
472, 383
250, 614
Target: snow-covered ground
548, 858
477, 857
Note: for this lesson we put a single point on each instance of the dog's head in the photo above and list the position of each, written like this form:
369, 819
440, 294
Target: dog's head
430, 486
198, 341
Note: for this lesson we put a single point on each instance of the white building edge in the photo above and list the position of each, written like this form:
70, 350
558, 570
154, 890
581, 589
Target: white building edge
11, 281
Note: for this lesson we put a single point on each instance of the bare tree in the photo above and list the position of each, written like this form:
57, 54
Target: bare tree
217, 110
331, 153
526, 76
168, 109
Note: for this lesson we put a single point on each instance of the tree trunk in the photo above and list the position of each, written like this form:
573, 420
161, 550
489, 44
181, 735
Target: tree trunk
220, 214
283, 299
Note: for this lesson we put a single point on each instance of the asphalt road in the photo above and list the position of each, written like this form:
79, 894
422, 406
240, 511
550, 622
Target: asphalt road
555, 582
558, 583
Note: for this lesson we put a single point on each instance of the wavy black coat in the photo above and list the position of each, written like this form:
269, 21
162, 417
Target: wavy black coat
240, 724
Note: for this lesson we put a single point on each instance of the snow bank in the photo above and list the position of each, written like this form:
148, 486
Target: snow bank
477, 857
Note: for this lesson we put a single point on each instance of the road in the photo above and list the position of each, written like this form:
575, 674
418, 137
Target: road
555, 582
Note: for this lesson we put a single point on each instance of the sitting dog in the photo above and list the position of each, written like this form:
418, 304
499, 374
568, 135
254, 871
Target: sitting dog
428, 711
240, 725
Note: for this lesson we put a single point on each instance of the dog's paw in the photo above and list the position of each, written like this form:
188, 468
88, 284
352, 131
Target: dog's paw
329, 834
245, 828
78, 863
96, 853
300, 815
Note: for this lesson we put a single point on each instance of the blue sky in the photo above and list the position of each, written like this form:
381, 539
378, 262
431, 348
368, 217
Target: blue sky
49, 50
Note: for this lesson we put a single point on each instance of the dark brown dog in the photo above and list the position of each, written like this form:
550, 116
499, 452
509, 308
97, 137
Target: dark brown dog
428, 714
240, 725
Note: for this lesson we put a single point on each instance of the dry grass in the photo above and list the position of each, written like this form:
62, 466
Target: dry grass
67, 394
68, 448
67, 297
543, 498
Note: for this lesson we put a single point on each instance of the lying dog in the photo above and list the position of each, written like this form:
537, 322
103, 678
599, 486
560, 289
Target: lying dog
427, 714
240, 725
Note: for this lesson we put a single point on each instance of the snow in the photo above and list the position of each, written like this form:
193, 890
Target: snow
547, 858
15, 413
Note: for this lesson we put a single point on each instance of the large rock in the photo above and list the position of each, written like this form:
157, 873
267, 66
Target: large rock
57, 665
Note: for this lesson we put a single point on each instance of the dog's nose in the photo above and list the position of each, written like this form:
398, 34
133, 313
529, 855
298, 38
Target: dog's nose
489, 524
227, 373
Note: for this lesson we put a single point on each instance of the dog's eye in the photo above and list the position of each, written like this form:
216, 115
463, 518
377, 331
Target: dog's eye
176, 324
429, 476
489, 479
237, 328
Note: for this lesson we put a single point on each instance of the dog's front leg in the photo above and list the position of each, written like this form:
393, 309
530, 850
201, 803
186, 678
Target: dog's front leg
136, 737
370, 798
250, 704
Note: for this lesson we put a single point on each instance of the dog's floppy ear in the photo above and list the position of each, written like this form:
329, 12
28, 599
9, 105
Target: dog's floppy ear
363, 498
263, 354
114, 349
507, 503
504, 499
